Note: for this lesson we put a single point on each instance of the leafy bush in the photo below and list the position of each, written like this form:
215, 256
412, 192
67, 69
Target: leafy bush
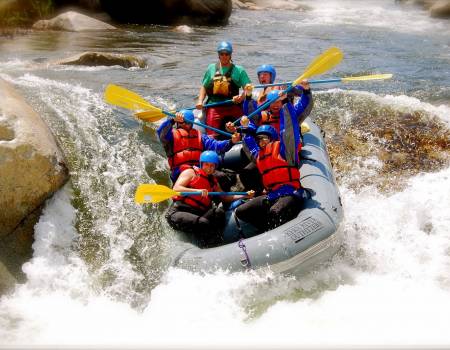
23, 12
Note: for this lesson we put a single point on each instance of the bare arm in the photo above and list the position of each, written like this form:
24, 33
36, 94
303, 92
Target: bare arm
184, 179
201, 97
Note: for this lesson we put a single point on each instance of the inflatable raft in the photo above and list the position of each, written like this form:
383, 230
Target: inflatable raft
312, 237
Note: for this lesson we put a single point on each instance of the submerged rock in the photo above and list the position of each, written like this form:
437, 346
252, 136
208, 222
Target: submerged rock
32, 168
270, 4
73, 22
104, 59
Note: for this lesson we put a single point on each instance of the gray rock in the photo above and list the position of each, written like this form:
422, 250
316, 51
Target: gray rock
32, 168
104, 59
7, 281
73, 22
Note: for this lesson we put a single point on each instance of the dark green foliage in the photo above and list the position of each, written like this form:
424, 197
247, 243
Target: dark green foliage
23, 12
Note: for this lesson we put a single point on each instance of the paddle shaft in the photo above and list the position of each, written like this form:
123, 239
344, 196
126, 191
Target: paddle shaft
319, 81
213, 193
264, 105
201, 124
215, 104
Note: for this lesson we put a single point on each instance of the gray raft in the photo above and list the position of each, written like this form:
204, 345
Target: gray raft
312, 237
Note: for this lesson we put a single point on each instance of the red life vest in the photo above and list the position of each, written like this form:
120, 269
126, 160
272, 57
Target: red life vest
274, 170
200, 181
187, 147
269, 119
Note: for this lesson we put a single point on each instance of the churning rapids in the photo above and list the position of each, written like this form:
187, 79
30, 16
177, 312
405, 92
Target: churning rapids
99, 274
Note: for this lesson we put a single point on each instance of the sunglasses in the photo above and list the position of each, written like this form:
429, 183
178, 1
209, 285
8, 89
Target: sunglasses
262, 138
224, 54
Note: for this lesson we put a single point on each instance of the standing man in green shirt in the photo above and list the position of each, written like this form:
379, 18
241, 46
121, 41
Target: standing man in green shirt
221, 82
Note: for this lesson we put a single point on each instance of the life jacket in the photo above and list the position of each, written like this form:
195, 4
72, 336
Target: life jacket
275, 171
200, 181
262, 96
187, 147
222, 85
267, 118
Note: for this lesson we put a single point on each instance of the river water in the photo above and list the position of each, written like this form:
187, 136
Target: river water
99, 275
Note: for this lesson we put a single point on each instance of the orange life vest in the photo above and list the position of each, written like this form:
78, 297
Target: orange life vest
267, 118
200, 181
274, 170
187, 147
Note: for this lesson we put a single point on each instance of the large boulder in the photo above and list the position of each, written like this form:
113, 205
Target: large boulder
210, 12
440, 9
104, 59
32, 168
72, 21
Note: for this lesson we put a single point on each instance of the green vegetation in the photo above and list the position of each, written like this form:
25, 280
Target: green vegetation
22, 13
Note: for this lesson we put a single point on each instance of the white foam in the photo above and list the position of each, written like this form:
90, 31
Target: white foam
396, 291
373, 14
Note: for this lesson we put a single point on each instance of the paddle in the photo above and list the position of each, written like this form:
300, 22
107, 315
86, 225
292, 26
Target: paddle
322, 63
215, 104
127, 99
153, 193
335, 80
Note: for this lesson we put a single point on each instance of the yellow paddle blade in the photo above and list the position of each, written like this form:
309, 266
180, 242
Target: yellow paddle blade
127, 99
327, 60
305, 128
150, 116
368, 77
153, 193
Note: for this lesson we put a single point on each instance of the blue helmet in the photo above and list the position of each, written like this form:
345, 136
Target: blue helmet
209, 157
188, 116
273, 95
225, 46
269, 69
267, 130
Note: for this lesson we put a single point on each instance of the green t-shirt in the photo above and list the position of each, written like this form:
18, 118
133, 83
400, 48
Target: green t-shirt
238, 75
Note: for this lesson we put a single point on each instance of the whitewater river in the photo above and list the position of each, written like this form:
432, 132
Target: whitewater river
100, 272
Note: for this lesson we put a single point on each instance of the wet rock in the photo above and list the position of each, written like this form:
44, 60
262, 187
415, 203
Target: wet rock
246, 5
436, 8
183, 29
440, 9
380, 145
32, 168
7, 281
73, 22
104, 59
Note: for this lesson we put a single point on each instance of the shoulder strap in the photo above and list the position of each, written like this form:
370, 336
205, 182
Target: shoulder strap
228, 74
